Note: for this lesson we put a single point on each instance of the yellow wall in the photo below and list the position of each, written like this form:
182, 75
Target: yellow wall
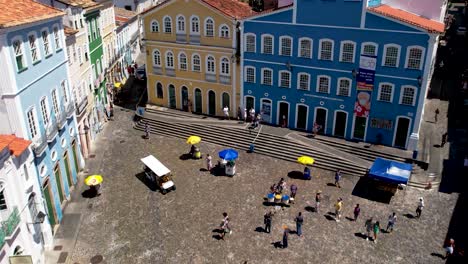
216, 46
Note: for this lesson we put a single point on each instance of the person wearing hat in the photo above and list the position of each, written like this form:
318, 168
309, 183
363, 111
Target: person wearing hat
285, 236
420, 207
338, 209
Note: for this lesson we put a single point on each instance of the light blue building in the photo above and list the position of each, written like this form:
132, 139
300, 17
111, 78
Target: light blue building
301, 64
36, 102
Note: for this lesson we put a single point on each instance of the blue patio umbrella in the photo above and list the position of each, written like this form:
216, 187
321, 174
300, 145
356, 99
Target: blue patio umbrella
228, 154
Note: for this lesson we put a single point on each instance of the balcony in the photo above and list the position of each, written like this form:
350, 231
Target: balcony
210, 77
51, 130
39, 144
182, 38
195, 39
8, 227
80, 108
61, 120
170, 72
157, 70
69, 109
225, 79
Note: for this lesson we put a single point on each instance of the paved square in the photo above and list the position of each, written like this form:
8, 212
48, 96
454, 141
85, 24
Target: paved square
129, 223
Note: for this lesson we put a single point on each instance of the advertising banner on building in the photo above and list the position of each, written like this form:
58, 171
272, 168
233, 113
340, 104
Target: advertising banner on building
365, 84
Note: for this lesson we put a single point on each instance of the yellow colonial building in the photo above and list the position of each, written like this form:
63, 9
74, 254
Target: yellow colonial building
192, 54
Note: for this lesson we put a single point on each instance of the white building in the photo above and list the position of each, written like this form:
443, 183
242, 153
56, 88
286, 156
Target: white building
135, 5
23, 234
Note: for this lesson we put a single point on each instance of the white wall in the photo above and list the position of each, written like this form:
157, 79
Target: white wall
432, 9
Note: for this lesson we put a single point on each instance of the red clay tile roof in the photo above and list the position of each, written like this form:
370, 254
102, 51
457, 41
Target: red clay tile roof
121, 12
18, 12
410, 18
69, 31
16, 145
79, 3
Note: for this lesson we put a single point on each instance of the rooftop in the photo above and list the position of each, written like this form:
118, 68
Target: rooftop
79, 3
69, 31
16, 145
122, 15
410, 18
19, 12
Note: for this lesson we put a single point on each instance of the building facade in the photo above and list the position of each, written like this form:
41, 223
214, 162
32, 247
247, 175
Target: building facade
23, 232
137, 6
300, 70
192, 61
36, 97
127, 43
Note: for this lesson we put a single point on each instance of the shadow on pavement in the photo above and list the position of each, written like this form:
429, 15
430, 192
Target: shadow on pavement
149, 183
365, 188
361, 235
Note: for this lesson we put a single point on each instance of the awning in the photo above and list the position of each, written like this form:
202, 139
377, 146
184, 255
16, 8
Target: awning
390, 171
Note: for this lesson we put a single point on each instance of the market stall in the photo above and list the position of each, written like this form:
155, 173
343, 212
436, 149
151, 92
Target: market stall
389, 174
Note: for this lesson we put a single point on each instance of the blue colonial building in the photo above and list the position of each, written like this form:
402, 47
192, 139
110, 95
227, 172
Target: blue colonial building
302, 63
36, 102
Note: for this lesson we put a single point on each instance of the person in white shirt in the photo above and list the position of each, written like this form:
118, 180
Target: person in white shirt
420, 207
226, 112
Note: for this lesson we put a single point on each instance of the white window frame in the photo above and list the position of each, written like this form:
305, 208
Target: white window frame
55, 102
379, 94
423, 51
299, 81
34, 47
414, 97
263, 36
318, 84
263, 76
342, 51
22, 54
46, 42
181, 63
194, 64
34, 131
280, 52
192, 32
299, 48
221, 31
178, 30
206, 27
155, 25
320, 49
247, 76
376, 46
247, 43
57, 38
224, 62
208, 60
386, 46
164, 25
279, 79
64, 87
167, 59
338, 86
80, 58
153, 59
45, 110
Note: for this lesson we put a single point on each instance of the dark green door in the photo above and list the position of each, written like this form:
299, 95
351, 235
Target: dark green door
249, 103
359, 127
211, 103
172, 96
47, 191
226, 100
402, 132
198, 101
340, 124
75, 156
301, 117
67, 169
58, 181
184, 98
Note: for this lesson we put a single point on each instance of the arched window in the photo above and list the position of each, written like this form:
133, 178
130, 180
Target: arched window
210, 64
180, 24
224, 31
156, 58
414, 57
196, 63
305, 48
267, 44
369, 48
170, 60
326, 49
347, 51
195, 28
226, 100
323, 84
285, 46
284, 79
159, 90
225, 66
250, 43
167, 25
182, 61
209, 27
385, 93
303, 81
344, 87
3, 203
391, 57
267, 76
250, 74
407, 95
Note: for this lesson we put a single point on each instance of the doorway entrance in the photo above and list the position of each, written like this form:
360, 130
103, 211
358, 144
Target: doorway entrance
249, 102
340, 124
185, 98
67, 169
198, 101
172, 96
401, 136
59, 183
211, 103
321, 119
266, 111
301, 118
359, 127
283, 115
227, 102
48, 195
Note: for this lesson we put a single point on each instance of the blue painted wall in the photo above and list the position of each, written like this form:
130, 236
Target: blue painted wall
329, 12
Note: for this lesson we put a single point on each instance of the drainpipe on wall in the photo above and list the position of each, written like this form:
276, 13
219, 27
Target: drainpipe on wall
240, 51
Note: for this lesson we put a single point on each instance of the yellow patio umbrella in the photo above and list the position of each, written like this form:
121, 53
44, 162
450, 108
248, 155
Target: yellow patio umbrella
192, 140
93, 180
305, 160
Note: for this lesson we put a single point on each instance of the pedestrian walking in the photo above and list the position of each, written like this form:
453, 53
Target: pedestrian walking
267, 219
239, 113
420, 207
284, 121
369, 225
391, 222
285, 236
252, 114
226, 112
338, 178
147, 131
209, 162
376, 230
245, 115
318, 199
225, 226
449, 248
444, 139
338, 209
293, 193
437, 112
357, 210
299, 221
281, 185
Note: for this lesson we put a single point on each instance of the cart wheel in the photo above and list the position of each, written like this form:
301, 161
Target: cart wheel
164, 191
173, 188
